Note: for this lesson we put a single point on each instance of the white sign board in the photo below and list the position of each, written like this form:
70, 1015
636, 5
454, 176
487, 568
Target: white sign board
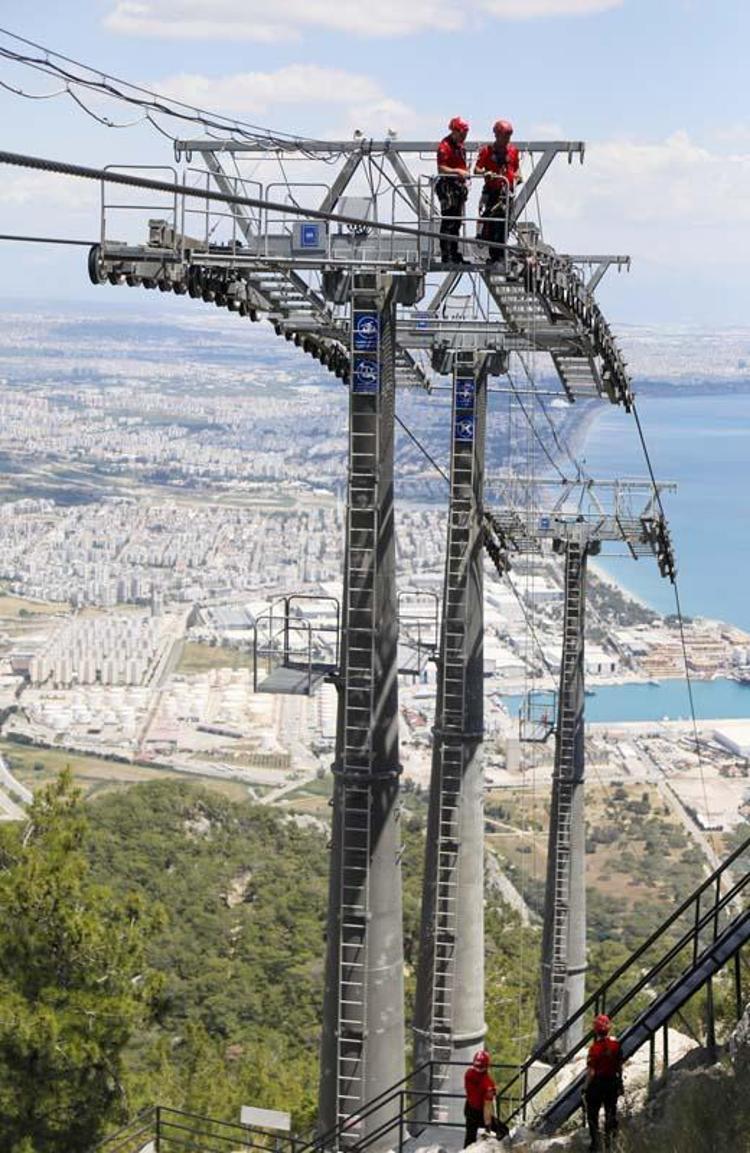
266, 1118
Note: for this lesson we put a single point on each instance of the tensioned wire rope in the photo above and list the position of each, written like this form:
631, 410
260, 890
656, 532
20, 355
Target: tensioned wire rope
84, 172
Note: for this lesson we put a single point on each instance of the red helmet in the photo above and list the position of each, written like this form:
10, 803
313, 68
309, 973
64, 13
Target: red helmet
458, 124
503, 126
481, 1059
602, 1025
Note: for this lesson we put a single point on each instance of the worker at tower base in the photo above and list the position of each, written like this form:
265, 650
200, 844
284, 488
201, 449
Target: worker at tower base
603, 1081
499, 163
452, 188
479, 1110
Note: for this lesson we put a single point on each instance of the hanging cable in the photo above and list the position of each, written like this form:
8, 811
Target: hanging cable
58, 65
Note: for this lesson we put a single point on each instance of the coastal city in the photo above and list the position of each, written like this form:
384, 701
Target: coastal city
156, 511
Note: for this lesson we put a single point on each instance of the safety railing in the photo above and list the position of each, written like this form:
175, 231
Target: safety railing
166, 1130
219, 228
283, 638
397, 1113
667, 955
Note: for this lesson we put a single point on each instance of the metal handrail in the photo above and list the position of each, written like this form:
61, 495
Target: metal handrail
597, 1001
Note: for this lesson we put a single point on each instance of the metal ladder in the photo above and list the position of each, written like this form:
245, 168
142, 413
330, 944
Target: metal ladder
564, 785
451, 725
358, 681
354, 909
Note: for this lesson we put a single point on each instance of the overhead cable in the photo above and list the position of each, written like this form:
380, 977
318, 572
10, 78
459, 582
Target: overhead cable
108, 176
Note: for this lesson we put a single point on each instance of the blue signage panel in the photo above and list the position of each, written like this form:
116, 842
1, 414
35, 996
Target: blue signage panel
309, 236
465, 392
366, 331
464, 428
365, 375
421, 318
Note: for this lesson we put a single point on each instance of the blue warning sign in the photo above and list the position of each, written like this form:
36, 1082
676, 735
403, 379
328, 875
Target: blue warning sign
465, 392
365, 375
464, 428
309, 236
366, 331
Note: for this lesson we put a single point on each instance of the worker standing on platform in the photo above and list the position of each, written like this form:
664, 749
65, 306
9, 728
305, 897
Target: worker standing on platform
603, 1081
499, 164
479, 1109
452, 188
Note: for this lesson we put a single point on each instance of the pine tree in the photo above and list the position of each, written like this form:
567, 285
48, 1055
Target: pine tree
72, 987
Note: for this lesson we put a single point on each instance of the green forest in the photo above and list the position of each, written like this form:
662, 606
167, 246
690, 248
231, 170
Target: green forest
164, 944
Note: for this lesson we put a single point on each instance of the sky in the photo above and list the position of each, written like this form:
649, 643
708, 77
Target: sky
657, 89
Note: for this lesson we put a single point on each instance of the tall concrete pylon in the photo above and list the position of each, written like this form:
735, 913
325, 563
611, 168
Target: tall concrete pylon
563, 974
449, 1011
362, 1047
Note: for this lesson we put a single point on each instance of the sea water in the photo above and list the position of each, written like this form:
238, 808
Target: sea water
702, 443
668, 700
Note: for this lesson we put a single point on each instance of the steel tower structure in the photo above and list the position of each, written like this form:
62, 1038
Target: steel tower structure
587, 514
347, 297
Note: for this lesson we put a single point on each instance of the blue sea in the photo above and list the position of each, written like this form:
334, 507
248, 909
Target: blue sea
668, 700
702, 443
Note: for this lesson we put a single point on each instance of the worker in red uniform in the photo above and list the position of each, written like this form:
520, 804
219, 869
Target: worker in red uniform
603, 1081
452, 188
499, 164
479, 1109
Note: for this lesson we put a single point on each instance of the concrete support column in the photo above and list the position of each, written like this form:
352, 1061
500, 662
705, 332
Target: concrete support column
362, 1047
449, 1011
563, 976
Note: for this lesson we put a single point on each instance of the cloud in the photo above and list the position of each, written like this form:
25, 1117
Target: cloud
260, 21
537, 9
285, 20
254, 92
42, 189
671, 202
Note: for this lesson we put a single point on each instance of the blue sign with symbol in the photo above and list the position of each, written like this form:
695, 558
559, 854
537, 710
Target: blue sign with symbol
366, 331
421, 319
465, 393
365, 376
309, 236
544, 523
464, 428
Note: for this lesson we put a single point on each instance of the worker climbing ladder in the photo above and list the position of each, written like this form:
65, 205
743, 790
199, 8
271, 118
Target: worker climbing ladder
365, 985
449, 1016
564, 936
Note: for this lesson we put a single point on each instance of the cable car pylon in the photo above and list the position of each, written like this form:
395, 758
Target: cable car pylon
587, 514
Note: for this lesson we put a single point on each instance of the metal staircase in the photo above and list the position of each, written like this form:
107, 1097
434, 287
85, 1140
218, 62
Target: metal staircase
697, 940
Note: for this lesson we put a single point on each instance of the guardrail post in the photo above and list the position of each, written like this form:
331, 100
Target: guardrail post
710, 1020
738, 983
157, 1133
401, 1121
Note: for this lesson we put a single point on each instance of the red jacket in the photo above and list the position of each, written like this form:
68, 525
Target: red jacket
479, 1088
605, 1058
506, 164
450, 154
